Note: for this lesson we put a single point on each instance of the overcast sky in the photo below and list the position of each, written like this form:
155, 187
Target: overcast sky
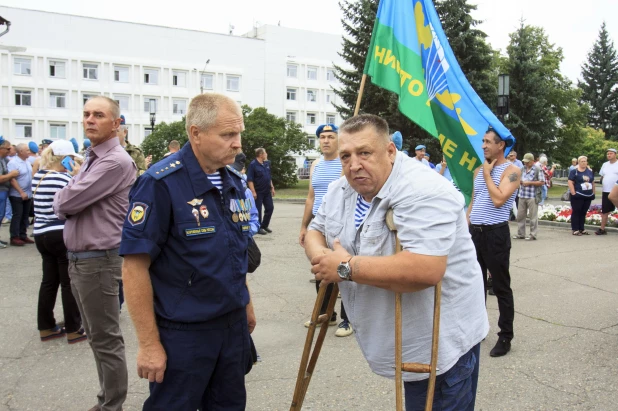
570, 24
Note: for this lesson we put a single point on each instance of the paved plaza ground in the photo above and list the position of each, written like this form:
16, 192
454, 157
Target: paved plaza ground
564, 355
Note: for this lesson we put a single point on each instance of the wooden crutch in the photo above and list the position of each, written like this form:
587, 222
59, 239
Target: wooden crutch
400, 366
305, 371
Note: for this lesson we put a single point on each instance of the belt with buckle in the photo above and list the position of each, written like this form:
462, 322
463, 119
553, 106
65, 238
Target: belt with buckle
84, 255
489, 227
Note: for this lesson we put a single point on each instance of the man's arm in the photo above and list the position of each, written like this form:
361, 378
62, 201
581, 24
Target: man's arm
21, 192
151, 357
89, 188
508, 184
6, 177
613, 195
308, 213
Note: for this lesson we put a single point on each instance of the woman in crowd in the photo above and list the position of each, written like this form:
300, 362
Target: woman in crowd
581, 185
48, 230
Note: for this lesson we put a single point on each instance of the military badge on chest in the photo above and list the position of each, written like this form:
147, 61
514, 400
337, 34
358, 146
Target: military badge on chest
196, 214
239, 209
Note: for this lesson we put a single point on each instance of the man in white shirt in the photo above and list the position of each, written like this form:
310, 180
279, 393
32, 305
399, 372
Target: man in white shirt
420, 154
609, 175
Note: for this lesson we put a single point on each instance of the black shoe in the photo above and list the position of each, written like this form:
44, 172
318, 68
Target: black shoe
268, 230
491, 291
262, 231
502, 347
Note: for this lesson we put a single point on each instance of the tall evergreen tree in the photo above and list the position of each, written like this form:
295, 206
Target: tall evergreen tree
474, 55
600, 85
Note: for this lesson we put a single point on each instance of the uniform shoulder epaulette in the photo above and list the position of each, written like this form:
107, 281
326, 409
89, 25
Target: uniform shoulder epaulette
164, 169
234, 171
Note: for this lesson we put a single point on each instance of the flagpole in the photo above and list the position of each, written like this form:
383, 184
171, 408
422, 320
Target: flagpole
360, 95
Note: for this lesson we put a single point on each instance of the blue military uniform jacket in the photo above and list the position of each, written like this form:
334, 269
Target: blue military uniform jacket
198, 253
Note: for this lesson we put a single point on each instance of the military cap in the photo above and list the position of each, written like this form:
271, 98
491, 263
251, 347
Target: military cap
326, 127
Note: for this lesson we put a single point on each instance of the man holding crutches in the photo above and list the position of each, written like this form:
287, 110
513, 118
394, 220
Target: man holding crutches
349, 242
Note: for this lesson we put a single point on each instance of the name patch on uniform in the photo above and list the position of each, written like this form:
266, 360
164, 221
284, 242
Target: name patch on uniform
245, 228
138, 213
192, 232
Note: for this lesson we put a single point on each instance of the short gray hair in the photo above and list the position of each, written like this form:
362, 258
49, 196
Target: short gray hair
359, 123
21, 146
204, 108
114, 108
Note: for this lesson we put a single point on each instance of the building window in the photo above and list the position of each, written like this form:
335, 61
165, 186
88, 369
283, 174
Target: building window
312, 73
86, 97
330, 75
58, 131
207, 82
311, 141
150, 103
180, 106
179, 79
22, 66
233, 83
151, 76
330, 97
91, 71
330, 119
121, 74
312, 95
123, 102
57, 69
292, 70
23, 98
57, 100
23, 130
291, 116
147, 132
311, 119
291, 94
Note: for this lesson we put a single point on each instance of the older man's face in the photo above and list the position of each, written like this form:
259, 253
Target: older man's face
367, 160
328, 143
611, 156
219, 144
99, 124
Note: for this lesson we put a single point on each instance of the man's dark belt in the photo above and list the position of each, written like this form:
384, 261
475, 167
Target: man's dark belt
84, 255
219, 323
488, 227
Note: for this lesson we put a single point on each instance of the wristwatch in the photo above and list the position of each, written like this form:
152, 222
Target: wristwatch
344, 270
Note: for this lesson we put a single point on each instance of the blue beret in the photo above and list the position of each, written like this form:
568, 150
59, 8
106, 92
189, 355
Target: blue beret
397, 139
122, 120
34, 147
326, 127
420, 147
427, 155
406, 153
75, 145
46, 141
1, 139
87, 143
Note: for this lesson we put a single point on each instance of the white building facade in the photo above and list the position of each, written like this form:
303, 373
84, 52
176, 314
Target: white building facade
51, 63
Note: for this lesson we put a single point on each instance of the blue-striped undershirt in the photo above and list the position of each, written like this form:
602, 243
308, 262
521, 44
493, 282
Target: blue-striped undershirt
45, 220
362, 207
324, 173
484, 212
215, 179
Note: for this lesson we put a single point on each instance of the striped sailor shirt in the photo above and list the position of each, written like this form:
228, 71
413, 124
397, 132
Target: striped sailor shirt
49, 183
484, 212
324, 173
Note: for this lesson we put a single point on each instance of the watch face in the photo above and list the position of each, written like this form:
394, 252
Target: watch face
344, 270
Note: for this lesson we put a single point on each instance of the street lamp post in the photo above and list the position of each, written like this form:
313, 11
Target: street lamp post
503, 96
153, 113
201, 80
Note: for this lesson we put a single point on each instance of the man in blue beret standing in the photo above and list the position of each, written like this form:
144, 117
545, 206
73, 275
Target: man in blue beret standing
420, 154
184, 244
261, 185
324, 171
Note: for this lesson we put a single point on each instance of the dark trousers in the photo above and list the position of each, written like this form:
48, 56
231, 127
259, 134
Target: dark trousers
265, 199
55, 274
455, 389
493, 252
19, 222
579, 208
329, 292
205, 369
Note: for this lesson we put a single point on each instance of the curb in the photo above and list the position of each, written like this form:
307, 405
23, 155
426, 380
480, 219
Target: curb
290, 200
557, 224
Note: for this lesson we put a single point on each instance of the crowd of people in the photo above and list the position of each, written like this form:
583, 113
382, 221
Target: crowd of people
172, 238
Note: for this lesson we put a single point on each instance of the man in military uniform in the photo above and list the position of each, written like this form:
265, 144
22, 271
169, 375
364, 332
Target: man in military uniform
185, 243
135, 152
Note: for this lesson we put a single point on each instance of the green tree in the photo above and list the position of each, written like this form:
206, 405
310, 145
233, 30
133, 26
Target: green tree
544, 115
279, 137
600, 85
474, 55
594, 145
156, 143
